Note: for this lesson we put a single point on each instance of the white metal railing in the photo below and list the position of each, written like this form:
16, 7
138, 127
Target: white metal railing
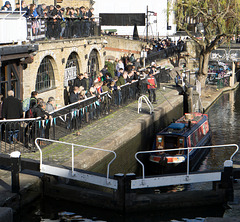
148, 103
13, 27
75, 175
162, 181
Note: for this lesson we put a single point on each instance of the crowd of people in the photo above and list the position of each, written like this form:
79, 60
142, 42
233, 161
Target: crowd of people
126, 70
59, 22
36, 107
110, 79
156, 45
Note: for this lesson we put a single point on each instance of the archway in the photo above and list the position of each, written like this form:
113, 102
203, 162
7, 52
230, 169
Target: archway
45, 76
72, 69
93, 64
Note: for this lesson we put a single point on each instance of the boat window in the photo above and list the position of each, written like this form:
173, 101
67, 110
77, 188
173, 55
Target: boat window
196, 137
159, 142
181, 142
204, 129
192, 142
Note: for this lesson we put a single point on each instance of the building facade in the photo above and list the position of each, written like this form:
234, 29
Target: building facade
58, 62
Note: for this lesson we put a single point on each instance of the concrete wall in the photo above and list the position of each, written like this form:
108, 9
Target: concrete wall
60, 50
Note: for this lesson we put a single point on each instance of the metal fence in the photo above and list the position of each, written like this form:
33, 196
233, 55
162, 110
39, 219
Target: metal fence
20, 134
220, 80
165, 53
45, 28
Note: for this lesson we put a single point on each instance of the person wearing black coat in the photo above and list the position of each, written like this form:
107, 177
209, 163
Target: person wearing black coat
40, 10
74, 96
12, 107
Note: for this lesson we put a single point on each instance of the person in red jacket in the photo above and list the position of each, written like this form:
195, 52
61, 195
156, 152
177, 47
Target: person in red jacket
151, 85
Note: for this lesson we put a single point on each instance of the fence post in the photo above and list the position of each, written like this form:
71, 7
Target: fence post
15, 169
119, 194
129, 193
227, 180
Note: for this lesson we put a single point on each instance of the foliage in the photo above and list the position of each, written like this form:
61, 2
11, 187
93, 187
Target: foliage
110, 66
218, 19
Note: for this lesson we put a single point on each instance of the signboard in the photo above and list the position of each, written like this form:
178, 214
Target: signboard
70, 74
122, 19
225, 55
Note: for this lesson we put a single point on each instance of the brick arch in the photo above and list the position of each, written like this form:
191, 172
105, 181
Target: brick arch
46, 74
70, 72
94, 62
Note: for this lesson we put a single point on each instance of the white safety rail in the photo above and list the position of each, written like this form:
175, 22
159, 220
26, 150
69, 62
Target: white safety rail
13, 27
148, 103
72, 173
180, 179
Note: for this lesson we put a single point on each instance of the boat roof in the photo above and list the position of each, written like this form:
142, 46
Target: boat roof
186, 125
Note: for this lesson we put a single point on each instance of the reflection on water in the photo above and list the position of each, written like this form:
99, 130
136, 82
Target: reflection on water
224, 118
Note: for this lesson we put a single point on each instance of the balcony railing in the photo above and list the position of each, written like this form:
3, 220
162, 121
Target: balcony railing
14, 27
165, 53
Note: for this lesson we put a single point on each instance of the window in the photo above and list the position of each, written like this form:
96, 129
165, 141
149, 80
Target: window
196, 137
45, 75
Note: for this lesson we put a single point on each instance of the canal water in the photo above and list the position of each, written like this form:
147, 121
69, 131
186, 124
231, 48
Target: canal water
224, 116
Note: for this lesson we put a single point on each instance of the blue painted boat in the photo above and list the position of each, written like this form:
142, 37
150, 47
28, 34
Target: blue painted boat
191, 130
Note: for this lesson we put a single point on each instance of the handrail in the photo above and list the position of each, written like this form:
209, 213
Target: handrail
71, 144
148, 103
188, 148
20, 120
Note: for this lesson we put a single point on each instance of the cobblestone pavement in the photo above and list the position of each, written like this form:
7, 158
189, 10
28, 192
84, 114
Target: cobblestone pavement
100, 129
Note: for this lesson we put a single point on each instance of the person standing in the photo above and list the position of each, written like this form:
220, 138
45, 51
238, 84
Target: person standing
74, 96
151, 85
7, 6
50, 105
12, 107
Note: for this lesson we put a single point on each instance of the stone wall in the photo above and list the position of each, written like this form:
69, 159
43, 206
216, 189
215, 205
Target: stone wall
59, 50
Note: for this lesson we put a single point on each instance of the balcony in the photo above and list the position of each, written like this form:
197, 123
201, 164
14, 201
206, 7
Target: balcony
15, 28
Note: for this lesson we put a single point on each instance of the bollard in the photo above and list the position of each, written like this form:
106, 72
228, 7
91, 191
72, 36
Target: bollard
130, 195
129, 177
227, 180
15, 169
119, 194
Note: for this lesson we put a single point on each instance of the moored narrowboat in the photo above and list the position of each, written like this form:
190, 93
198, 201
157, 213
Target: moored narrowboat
191, 130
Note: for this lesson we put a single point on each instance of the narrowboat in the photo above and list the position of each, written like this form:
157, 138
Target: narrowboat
191, 130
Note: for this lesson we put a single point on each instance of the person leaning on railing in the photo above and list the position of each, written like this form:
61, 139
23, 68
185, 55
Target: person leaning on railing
7, 6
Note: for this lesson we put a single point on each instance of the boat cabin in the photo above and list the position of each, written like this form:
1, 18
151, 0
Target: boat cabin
188, 131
